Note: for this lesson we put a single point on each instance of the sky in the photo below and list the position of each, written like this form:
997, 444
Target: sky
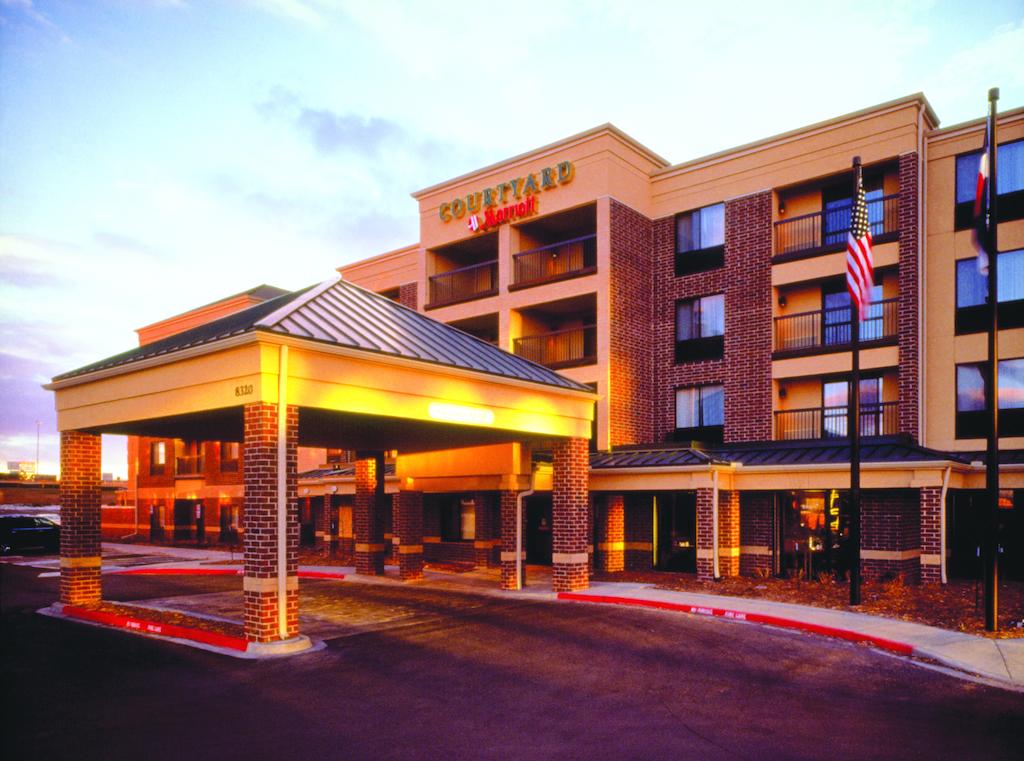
156, 155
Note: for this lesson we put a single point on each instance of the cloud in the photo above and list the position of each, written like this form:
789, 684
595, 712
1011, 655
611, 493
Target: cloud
309, 12
27, 272
125, 244
333, 132
27, 10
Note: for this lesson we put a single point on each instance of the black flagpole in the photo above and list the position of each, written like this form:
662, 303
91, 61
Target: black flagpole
853, 422
992, 386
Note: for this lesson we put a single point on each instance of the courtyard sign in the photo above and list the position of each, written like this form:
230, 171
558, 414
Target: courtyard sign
506, 201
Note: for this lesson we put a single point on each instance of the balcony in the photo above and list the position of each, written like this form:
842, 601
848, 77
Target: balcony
823, 232
828, 330
557, 261
560, 348
879, 419
188, 465
463, 284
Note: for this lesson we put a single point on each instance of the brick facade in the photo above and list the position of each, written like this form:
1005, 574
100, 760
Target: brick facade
756, 532
80, 497
931, 535
570, 501
408, 295
909, 299
630, 398
748, 318
891, 523
368, 517
260, 469
669, 290
408, 531
610, 514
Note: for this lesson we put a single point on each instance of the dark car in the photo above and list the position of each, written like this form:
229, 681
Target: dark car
28, 532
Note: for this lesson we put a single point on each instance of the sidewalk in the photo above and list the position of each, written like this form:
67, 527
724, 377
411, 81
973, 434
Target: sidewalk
1001, 660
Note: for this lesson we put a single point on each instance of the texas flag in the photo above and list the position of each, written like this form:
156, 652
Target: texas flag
980, 234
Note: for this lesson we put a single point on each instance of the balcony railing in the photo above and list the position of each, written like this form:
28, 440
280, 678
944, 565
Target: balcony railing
829, 228
878, 419
463, 284
829, 329
561, 348
189, 465
557, 261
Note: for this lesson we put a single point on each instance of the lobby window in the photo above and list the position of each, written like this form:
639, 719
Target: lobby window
1009, 176
157, 458
700, 328
458, 520
230, 455
972, 292
700, 239
700, 413
971, 417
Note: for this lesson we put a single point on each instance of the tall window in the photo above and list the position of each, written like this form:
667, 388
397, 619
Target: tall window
157, 458
700, 239
971, 416
1009, 178
230, 452
700, 411
837, 313
972, 293
838, 203
188, 458
700, 326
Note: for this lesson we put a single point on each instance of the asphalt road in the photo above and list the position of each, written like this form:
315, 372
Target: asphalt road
479, 678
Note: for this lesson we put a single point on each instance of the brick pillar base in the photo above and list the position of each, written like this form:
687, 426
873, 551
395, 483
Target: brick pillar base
483, 544
729, 533
569, 515
260, 476
507, 502
408, 529
80, 494
611, 531
323, 522
367, 523
931, 539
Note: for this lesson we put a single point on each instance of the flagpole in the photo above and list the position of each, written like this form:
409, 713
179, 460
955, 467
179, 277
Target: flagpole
992, 386
853, 422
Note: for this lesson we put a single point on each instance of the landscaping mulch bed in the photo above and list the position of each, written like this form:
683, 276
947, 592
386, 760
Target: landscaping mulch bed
950, 606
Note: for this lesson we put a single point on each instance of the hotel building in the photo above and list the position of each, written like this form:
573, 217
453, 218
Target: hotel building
704, 304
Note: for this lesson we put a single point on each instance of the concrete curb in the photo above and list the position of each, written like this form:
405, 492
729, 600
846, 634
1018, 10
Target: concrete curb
195, 571
901, 648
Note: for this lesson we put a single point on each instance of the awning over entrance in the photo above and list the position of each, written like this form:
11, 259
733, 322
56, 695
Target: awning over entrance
333, 366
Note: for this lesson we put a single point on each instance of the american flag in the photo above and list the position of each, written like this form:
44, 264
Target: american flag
979, 233
860, 266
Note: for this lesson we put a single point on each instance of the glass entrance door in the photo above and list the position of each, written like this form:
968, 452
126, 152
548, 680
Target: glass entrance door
677, 531
814, 528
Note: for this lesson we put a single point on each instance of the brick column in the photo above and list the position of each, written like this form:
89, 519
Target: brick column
323, 521
507, 500
890, 531
80, 518
483, 543
260, 476
570, 505
612, 534
756, 525
729, 533
705, 536
368, 518
408, 534
333, 522
931, 539
907, 307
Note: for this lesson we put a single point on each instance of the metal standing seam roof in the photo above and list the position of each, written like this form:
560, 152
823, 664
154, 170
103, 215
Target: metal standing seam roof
342, 314
341, 471
782, 453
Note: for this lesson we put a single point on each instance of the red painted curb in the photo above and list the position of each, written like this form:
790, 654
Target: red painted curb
132, 623
216, 572
758, 618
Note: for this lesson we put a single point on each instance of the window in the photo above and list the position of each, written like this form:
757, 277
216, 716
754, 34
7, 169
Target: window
700, 412
229, 456
458, 520
700, 327
157, 458
700, 239
838, 203
835, 414
1009, 177
971, 416
972, 293
836, 316
188, 458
